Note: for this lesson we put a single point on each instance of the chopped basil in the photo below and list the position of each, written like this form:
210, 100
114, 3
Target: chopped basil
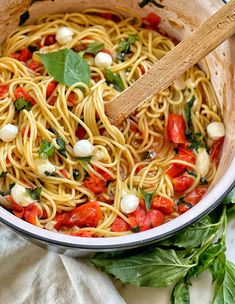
188, 107
46, 149
47, 173
125, 45
115, 80
86, 159
24, 17
76, 174
3, 174
143, 3
197, 140
135, 229
66, 66
62, 146
148, 197
34, 193
21, 104
94, 48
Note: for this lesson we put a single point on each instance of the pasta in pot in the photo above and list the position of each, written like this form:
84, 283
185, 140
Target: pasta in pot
64, 165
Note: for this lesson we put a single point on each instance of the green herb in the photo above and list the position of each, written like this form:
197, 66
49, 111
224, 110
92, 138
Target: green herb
3, 174
188, 107
94, 48
135, 229
143, 3
24, 17
34, 193
230, 198
148, 197
21, 104
76, 174
62, 146
125, 45
47, 173
46, 149
115, 80
86, 159
150, 155
180, 293
197, 140
66, 66
203, 180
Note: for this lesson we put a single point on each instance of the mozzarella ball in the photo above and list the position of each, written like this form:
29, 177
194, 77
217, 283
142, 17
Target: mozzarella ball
21, 196
129, 203
83, 148
215, 130
203, 161
103, 60
8, 132
44, 165
64, 35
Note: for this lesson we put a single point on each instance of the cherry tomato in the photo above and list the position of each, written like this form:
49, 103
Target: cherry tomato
50, 88
3, 90
80, 132
195, 195
182, 183
32, 212
182, 208
162, 204
105, 175
72, 99
49, 40
142, 69
176, 129
52, 101
153, 19
21, 92
34, 65
95, 184
88, 214
134, 128
65, 173
216, 149
22, 55
119, 225
17, 210
106, 51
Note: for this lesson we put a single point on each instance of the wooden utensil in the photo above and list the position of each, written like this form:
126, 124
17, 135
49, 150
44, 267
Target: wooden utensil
200, 43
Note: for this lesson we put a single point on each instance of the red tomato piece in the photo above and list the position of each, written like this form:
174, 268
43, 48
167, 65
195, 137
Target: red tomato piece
52, 101
72, 99
65, 173
153, 19
96, 78
182, 183
176, 128
88, 214
133, 128
103, 199
136, 218
107, 52
182, 208
139, 168
49, 40
50, 88
3, 90
34, 65
8, 160
80, 132
216, 149
195, 195
105, 175
175, 170
95, 184
32, 212
142, 69
17, 210
20, 92
163, 204
119, 225
22, 55
23, 132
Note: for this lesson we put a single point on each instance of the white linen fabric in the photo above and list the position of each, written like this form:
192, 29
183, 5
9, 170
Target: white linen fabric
32, 275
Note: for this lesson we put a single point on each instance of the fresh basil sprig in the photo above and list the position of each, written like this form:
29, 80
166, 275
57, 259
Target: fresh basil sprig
115, 80
34, 193
188, 107
21, 104
62, 146
86, 159
94, 48
46, 149
125, 45
148, 197
66, 66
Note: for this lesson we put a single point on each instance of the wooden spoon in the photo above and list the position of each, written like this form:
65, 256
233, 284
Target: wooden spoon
200, 43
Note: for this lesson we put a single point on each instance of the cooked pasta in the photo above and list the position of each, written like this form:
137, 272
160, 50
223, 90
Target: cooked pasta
64, 166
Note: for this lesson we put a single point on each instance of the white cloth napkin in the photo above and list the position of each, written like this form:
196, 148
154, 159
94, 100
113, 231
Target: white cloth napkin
31, 275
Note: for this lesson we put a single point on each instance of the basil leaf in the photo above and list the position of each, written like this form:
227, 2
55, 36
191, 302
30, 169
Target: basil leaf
125, 45
34, 193
148, 197
94, 48
197, 140
23, 18
180, 293
3, 174
46, 149
115, 80
76, 174
62, 146
86, 159
145, 2
66, 66
21, 104
188, 107
225, 294
154, 268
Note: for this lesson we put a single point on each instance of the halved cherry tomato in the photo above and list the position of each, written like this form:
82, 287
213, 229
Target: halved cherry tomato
88, 214
34, 65
17, 210
49, 40
52, 101
216, 149
133, 128
142, 69
22, 55
175, 170
176, 128
195, 195
50, 88
21, 92
182, 208
105, 175
182, 183
80, 132
32, 212
95, 184
162, 204
3, 90
119, 225
72, 99
153, 19
65, 173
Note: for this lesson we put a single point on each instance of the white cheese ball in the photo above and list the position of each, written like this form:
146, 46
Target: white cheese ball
44, 165
215, 130
202, 161
103, 60
21, 196
64, 35
83, 148
8, 132
129, 203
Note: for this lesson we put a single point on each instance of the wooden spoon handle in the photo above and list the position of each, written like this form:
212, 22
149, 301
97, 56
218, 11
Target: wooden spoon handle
200, 43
